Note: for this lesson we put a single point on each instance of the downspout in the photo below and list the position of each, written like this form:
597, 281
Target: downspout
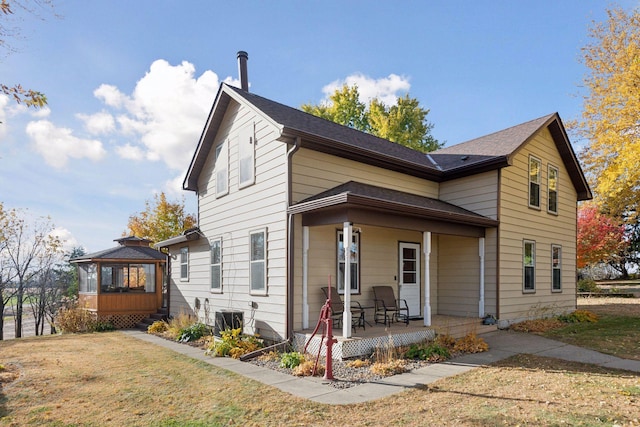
481, 255
290, 242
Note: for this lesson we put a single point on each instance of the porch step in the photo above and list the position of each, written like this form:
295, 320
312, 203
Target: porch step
161, 314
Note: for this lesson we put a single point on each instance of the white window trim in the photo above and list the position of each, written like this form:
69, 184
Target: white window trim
262, 291
217, 290
247, 150
557, 171
184, 279
559, 268
222, 168
530, 181
524, 274
355, 236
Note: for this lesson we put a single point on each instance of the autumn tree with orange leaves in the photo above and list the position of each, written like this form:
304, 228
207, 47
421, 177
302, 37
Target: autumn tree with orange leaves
600, 238
160, 220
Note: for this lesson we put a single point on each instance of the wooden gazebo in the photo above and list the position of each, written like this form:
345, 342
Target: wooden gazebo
122, 285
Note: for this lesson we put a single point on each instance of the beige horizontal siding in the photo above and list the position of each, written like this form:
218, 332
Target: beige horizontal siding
458, 276
519, 222
314, 172
477, 193
231, 218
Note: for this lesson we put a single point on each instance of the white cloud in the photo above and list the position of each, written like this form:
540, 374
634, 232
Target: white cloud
173, 187
57, 145
165, 112
130, 152
99, 123
386, 89
40, 112
66, 238
110, 95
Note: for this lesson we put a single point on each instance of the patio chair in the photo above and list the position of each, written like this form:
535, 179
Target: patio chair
337, 309
388, 308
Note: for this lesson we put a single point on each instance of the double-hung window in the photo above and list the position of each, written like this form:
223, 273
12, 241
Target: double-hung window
258, 262
184, 264
216, 265
353, 252
552, 190
535, 166
556, 268
529, 266
222, 169
246, 156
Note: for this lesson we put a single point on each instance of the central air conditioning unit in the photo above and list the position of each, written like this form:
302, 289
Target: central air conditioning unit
227, 319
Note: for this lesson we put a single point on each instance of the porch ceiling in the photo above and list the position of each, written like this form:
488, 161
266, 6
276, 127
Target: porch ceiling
367, 204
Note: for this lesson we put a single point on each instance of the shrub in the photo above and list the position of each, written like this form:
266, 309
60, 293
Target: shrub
193, 332
358, 363
305, 369
391, 367
233, 343
102, 326
445, 340
158, 327
431, 351
537, 325
178, 323
291, 360
74, 319
387, 352
579, 316
471, 343
588, 285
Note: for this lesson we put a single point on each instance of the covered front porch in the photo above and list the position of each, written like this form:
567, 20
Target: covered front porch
431, 253
363, 341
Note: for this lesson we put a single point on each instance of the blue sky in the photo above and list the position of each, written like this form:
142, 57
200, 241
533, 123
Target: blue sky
130, 84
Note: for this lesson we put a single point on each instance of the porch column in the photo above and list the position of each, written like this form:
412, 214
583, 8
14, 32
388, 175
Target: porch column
346, 314
426, 244
305, 277
481, 254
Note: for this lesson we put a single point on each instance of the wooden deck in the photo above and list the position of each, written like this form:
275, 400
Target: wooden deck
365, 340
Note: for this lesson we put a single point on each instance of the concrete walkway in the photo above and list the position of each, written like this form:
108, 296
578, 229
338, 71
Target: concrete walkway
502, 344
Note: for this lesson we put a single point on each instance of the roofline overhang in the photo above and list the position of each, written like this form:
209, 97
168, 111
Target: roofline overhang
373, 203
571, 162
318, 143
205, 143
119, 260
487, 165
187, 236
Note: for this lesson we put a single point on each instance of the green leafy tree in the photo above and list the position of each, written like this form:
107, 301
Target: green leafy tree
160, 220
404, 123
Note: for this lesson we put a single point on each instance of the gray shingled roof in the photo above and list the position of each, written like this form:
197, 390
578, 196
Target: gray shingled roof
502, 143
489, 152
304, 123
131, 253
370, 195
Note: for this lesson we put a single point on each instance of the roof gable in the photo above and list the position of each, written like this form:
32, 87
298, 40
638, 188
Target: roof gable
489, 152
506, 143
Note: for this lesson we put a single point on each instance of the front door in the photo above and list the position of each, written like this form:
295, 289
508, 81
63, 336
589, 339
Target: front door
409, 282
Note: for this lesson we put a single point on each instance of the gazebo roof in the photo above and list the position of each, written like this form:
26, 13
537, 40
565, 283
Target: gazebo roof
131, 248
